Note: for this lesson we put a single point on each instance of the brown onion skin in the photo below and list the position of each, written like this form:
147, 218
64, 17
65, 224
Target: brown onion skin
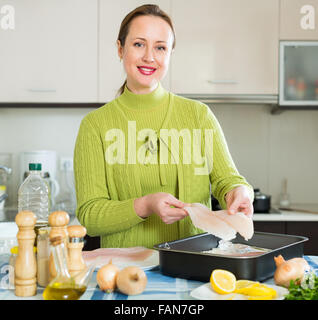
131, 280
287, 270
106, 277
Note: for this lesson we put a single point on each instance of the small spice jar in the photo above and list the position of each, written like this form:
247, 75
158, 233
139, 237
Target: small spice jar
12, 259
43, 255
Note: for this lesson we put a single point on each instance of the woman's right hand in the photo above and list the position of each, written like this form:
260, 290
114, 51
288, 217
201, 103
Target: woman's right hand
160, 203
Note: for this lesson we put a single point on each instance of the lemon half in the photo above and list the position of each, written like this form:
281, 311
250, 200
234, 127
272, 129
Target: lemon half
222, 281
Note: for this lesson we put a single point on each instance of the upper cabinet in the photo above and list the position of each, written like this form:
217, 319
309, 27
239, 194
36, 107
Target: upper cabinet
298, 20
225, 47
51, 54
111, 70
65, 50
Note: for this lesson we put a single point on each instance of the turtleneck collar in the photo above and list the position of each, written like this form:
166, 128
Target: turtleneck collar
143, 101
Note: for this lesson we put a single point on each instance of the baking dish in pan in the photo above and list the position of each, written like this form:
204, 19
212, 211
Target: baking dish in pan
184, 258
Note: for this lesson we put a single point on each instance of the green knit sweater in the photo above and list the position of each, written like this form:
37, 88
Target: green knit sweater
141, 144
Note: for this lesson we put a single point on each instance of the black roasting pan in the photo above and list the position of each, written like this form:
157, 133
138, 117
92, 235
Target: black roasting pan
183, 258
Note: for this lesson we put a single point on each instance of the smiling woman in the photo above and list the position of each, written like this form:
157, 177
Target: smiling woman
141, 203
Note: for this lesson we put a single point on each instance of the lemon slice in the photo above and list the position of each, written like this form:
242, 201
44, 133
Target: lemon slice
270, 290
243, 284
222, 281
258, 290
247, 288
259, 297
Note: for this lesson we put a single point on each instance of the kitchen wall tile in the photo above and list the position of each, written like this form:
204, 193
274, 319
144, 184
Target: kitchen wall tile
294, 154
246, 131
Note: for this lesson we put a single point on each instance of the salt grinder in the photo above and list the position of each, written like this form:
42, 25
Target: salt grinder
58, 221
25, 266
75, 245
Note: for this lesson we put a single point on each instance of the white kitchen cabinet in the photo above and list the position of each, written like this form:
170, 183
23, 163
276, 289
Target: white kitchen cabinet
225, 47
298, 20
51, 54
111, 71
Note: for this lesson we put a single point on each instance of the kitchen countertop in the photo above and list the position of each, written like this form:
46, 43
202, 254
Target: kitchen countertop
8, 214
296, 215
286, 216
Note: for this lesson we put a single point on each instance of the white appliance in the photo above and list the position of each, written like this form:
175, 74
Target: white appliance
48, 159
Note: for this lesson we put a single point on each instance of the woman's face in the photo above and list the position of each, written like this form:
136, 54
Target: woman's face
146, 53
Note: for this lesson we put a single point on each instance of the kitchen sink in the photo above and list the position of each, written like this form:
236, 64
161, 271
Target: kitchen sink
8, 215
8, 230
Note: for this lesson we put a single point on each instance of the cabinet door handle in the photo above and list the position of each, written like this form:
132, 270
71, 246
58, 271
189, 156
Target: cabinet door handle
41, 90
222, 81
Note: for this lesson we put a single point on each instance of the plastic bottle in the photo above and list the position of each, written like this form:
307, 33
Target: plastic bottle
33, 195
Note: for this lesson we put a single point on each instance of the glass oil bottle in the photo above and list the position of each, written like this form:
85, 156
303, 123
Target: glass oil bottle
63, 286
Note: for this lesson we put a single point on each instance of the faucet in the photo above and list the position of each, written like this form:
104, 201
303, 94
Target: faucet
3, 197
7, 171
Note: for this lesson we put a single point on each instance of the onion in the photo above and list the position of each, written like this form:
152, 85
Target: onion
131, 280
287, 270
106, 277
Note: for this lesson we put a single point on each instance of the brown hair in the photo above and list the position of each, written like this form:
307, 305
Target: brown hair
144, 10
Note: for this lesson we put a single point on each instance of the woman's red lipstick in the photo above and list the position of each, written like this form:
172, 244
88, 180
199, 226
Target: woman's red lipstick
147, 71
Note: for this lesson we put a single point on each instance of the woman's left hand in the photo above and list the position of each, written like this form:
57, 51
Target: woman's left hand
239, 200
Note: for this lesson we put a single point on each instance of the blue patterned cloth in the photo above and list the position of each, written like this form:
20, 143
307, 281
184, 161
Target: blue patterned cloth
159, 286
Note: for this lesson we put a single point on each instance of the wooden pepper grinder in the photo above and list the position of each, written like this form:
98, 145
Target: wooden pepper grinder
25, 266
58, 221
76, 234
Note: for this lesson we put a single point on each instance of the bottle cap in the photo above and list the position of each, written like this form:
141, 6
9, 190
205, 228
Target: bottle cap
3, 188
14, 250
35, 166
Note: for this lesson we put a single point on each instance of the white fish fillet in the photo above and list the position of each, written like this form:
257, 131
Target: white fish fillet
220, 223
239, 221
117, 255
204, 219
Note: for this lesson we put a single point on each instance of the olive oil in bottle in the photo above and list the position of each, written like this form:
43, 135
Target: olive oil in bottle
63, 286
63, 291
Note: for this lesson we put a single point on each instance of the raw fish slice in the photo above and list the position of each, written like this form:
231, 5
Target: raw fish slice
239, 221
118, 255
204, 219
